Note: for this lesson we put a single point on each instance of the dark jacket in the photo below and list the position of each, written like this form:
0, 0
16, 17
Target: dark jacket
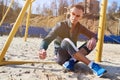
63, 30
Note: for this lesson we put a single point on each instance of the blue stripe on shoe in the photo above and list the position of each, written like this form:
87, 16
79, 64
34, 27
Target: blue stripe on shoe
97, 69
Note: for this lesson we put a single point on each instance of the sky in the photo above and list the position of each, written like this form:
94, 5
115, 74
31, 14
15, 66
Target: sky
48, 1
41, 2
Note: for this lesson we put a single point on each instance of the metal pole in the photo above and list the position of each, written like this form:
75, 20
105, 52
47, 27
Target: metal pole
14, 30
118, 27
25, 62
3, 9
28, 22
101, 31
6, 13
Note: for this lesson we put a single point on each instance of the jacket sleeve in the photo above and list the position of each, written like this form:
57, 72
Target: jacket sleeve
87, 32
51, 36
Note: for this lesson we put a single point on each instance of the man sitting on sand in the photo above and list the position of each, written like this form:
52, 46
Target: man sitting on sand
65, 35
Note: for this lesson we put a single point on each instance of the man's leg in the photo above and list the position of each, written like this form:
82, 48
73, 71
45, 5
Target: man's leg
62, 55
74, 51
85, 51
80, 56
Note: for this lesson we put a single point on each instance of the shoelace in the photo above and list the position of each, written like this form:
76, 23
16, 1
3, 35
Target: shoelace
96, 67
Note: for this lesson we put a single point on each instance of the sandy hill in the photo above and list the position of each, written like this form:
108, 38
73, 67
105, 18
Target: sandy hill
90, 21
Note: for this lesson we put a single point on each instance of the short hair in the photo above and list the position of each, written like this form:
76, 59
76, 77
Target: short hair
78, 6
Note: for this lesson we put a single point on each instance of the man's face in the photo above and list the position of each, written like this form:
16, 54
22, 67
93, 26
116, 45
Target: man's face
75, 15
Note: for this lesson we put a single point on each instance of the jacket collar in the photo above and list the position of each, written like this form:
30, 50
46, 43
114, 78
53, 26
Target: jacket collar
70, 24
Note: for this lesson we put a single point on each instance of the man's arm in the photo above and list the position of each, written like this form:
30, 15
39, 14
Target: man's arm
91, 44
47, 40
50, 37
87, 32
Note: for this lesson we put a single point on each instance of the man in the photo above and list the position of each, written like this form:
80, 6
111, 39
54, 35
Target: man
66, 34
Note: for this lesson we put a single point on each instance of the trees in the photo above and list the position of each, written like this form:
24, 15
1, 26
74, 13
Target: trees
54, 7
46, 10
118, 11
113, 7
62, 5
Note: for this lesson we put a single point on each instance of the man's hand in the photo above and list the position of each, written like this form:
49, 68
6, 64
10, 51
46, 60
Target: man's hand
42, 54
91, 44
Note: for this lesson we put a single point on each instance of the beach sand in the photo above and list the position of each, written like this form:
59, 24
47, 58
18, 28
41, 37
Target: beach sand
21, 50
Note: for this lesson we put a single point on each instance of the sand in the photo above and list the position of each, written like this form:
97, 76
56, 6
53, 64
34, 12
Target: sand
21, 50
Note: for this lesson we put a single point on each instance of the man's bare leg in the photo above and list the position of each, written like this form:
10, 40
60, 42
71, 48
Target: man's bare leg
81, 56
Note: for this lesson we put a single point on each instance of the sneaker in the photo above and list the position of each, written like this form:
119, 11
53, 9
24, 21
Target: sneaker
69, 65
97, 69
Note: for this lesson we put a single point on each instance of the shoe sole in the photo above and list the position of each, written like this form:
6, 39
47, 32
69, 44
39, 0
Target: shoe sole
102, 74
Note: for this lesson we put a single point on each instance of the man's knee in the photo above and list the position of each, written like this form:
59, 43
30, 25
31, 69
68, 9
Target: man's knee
68, 43
65, 43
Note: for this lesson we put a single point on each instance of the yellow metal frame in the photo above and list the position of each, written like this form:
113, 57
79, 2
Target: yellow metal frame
10, 38
27, 22
24, 62
12, 1
101, 29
